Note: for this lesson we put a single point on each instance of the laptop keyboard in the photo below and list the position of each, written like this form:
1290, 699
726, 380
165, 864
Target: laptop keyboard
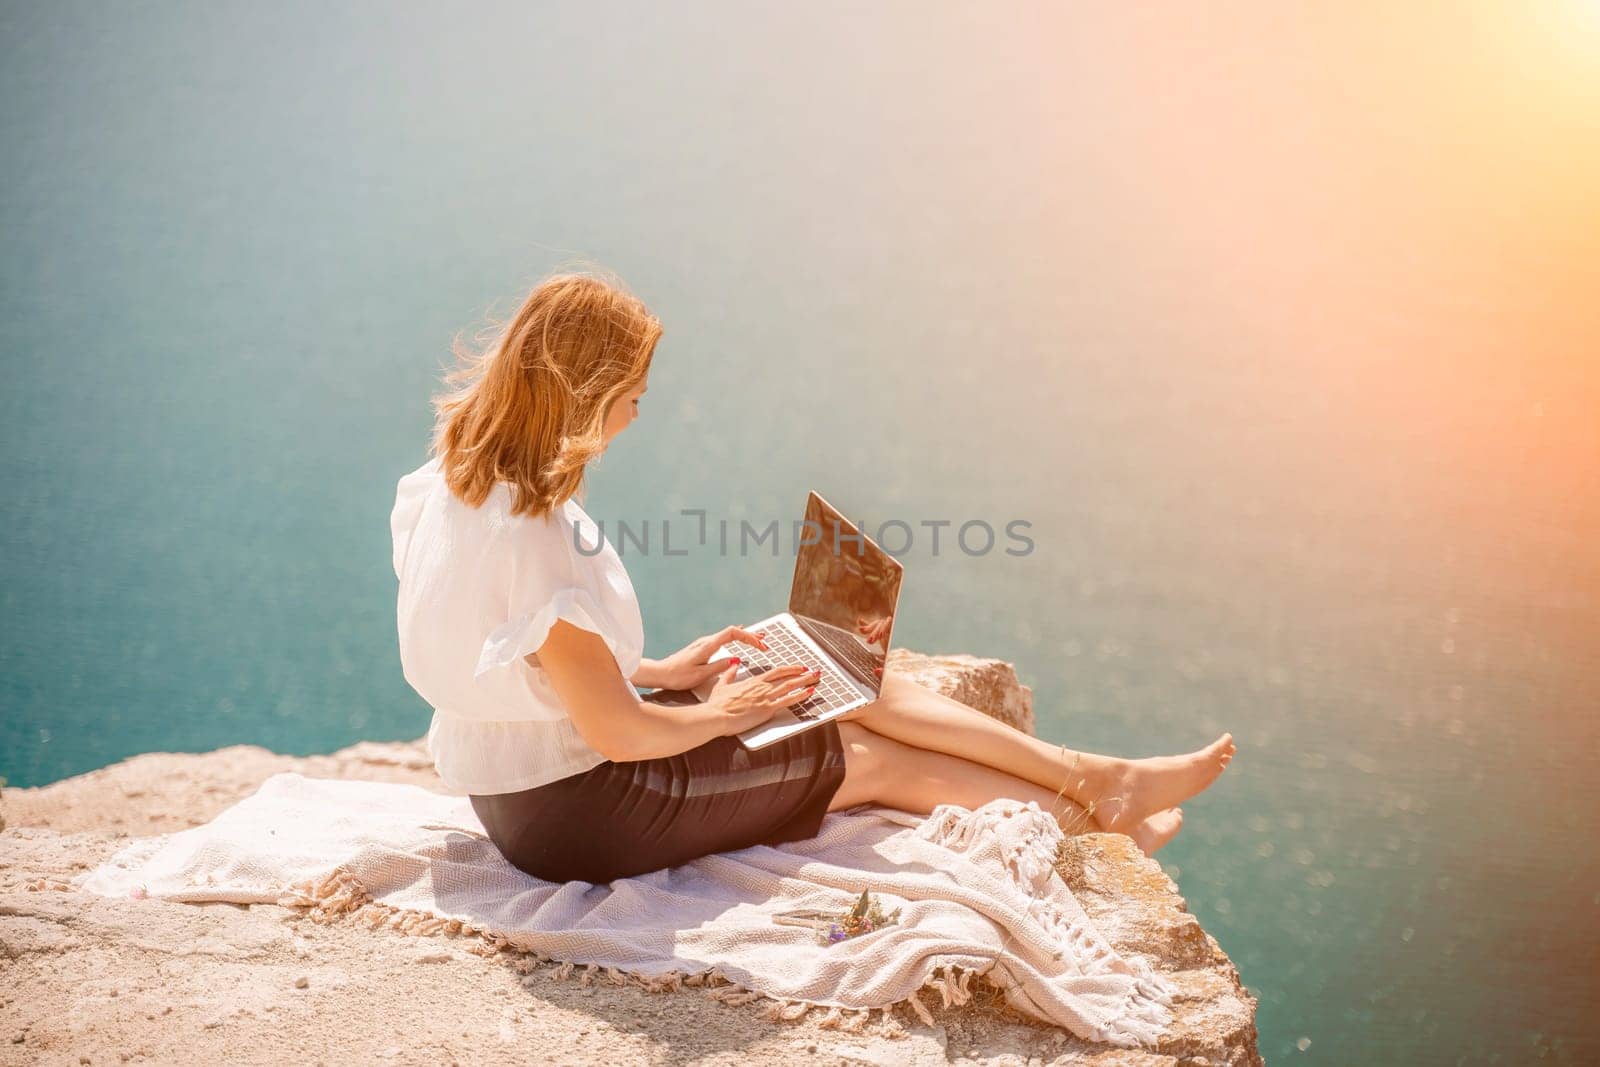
845, 649
783, 649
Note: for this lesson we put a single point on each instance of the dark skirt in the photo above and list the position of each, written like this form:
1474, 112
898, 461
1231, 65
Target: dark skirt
616, 820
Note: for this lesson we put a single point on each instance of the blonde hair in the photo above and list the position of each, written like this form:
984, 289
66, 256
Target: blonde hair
530, 408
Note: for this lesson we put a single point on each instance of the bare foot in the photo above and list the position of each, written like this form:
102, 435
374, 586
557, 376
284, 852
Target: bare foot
1135, 790
1157, 830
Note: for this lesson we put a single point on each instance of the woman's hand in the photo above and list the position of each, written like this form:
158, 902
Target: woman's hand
691, 665
741, 705
874, 630
612, 718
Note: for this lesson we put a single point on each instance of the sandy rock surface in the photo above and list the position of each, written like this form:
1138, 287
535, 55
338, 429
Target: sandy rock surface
85, 979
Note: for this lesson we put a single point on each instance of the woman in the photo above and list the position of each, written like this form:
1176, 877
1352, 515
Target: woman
520, 627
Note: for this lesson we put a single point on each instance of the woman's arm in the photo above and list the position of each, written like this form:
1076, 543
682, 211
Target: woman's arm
648, 676
692, 664
610, 716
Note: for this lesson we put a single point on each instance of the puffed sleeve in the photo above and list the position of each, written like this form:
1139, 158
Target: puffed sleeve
409, 495
545, 586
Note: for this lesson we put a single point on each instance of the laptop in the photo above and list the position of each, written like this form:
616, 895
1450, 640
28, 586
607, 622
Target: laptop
841, 611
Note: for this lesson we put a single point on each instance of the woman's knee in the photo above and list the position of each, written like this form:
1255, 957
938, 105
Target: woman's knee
860, 766
858, 747
870, 761
895, 690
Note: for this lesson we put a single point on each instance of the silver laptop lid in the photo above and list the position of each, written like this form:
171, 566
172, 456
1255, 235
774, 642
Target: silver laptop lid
845, 591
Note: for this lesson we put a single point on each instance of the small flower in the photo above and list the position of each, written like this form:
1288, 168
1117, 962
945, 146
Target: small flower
138, 893
863, 918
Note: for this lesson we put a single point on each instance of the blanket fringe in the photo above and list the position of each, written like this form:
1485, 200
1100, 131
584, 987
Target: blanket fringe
38, 884
1145, 1015
339, 895
831, 1017
920, 1008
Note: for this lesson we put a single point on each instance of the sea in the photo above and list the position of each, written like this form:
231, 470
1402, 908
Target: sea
1270, 331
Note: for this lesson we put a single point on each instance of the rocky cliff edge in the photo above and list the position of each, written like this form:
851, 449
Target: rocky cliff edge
87, 980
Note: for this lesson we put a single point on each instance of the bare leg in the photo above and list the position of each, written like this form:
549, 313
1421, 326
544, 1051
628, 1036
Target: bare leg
1119, 794
881, 770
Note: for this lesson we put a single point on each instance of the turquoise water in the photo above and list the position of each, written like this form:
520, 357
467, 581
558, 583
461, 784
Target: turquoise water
1298, 394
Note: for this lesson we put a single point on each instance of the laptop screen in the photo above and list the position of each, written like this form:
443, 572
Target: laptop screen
845, 591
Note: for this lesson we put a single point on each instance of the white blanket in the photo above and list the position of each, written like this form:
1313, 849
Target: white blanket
977, 892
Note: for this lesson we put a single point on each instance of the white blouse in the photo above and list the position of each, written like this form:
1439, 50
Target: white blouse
479, 590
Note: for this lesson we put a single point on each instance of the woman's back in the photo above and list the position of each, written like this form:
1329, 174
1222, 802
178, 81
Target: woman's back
479, 590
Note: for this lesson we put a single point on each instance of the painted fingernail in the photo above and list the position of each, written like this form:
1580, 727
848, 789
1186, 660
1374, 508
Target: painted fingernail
736, 661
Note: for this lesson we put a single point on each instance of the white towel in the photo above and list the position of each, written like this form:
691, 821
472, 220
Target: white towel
977, 892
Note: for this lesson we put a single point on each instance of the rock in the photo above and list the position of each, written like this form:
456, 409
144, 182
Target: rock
990, 685
181, 789
216, 978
